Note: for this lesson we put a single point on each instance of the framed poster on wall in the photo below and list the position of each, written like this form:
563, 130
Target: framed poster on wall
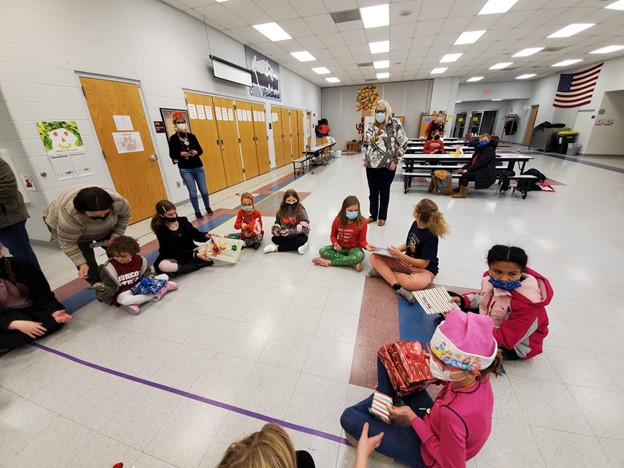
167, 117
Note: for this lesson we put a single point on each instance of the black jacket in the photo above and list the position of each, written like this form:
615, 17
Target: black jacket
178, 245
30, 276
176, 147
483, 165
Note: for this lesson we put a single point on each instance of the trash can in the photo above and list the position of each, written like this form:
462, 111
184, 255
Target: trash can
564, 139
573, 149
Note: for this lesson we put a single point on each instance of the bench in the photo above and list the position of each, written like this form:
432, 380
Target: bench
318, 155
515, 187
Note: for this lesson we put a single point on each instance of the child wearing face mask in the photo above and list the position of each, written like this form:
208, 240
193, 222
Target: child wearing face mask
515, 297
249, 221
434, 146
453, 428
123, 271
348, 238
292, 226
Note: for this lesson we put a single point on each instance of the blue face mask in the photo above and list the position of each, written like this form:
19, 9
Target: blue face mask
506, 285
483, 144
380, 117
352, 214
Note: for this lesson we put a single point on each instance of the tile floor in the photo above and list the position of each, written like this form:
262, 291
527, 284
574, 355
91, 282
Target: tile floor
275, 335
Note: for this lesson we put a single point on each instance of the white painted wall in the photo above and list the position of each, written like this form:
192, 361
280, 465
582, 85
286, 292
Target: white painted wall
44, 44
608, 139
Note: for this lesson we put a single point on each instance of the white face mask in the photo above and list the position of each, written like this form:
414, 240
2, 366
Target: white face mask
181, 127
248, 208
438, 373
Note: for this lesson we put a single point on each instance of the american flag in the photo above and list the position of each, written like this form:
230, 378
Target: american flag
576, 89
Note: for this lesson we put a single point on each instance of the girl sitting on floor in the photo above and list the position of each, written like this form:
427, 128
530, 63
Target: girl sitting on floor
292, 226
249, 221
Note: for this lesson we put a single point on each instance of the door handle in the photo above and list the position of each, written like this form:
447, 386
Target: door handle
153, 157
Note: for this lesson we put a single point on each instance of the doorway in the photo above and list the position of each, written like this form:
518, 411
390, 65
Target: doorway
528, 133
488, 122
460, 125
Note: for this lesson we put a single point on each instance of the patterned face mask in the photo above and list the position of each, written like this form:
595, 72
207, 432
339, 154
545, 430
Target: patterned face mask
506, 285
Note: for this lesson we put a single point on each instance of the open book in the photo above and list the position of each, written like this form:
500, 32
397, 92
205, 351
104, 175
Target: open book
383, 251
434, 301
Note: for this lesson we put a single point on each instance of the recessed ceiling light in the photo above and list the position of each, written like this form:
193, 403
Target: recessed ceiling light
379, 47
497, 6
320, 70
527, 52
565, 63
500, 66
303, 56
383, 75
469, 37
475, 78
450, 58
273, 31
526, 76
375, 16
457, 102
619, 5
381, 64
608, 49
333, 79
437, 71
571, 30
496, 99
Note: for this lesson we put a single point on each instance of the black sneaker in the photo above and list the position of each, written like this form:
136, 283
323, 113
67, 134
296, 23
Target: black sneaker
198, 215
209, 212
256, 246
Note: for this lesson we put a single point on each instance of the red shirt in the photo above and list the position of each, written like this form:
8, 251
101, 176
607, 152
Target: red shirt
349, 236
127, 273
253, 219
431, 146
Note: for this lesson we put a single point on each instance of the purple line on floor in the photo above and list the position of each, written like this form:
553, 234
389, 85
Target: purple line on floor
193, 396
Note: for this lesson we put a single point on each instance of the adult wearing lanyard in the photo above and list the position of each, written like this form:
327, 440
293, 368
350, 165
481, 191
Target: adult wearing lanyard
185, 151
385, 142
84, 218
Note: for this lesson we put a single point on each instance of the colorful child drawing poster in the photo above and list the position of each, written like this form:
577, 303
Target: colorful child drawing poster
65, 148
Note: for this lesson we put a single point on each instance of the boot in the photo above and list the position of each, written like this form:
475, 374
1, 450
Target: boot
431, 185
187, 268
449, 189
463, 192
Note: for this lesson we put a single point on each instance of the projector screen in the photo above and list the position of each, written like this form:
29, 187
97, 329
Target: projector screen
230, 71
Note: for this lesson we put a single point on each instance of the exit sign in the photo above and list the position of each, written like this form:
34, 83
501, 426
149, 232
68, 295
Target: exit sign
488, 91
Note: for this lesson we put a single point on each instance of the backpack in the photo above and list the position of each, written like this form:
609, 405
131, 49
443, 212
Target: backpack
504, 180
443, 182
531, 185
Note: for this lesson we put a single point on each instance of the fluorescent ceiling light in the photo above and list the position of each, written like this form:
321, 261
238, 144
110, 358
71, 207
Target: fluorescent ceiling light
497, 6
451, 58
437, 71
527, 52
375, 16
381, 64
500, 66
619, 5
496, 99
608, 49
379, 47
273, 31
383, 75
303, 56
221, 1
457, 102
469, 37
320, 70
526, 76
565, 63
333, 79
571, 30
475, 78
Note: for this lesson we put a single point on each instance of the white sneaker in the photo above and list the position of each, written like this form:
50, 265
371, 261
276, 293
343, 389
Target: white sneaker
270, 248
303, 249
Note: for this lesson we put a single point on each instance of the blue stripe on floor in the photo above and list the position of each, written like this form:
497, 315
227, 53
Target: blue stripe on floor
415, 324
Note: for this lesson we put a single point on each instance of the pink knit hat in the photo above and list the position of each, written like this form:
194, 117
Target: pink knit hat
465, 340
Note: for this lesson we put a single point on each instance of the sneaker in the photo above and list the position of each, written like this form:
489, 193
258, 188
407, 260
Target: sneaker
256, 246
381, 222
374, 273
132, 309
303, 249
270, 248
198, 215
171, 286
160, 293
370, 220
209, 212
407, 295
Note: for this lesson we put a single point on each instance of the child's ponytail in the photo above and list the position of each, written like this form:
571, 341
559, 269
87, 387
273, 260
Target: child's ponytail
428, 212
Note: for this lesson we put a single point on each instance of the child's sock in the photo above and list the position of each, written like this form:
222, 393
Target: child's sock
396, 286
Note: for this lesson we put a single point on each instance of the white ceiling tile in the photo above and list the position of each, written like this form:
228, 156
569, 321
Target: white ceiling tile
196, 3
435, 9
222, 16
402, 31
396, 8
428, 28
354, 37
377, 34
401, 44
340, 51
296, 27
350, 26
340, 5
278, 9
512, 20
456, 25
248, 11
321, 24
251, 35
332, 40
308, 8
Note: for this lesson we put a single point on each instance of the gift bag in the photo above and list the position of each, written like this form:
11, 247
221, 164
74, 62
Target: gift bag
222, 248
148, 286
379, 406
407, 364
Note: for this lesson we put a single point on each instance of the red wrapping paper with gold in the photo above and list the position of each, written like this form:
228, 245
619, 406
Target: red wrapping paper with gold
407, 364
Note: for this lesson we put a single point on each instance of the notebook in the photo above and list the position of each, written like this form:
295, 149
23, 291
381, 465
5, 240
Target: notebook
434, 301
382, 251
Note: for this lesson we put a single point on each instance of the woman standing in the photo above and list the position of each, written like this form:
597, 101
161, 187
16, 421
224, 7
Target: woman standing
384, 143
185, 151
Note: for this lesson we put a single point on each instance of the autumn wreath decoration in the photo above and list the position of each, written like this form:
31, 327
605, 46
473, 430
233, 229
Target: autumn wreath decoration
367, 97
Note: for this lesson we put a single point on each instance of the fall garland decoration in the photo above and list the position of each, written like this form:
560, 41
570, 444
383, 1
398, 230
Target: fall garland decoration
367, 97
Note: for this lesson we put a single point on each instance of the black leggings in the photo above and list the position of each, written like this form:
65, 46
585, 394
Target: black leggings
467, 177
10, 339
287, 244
89, 255
379, 182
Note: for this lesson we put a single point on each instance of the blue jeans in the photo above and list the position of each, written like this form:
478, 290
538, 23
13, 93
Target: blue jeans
197, 176
400, 443
15, 238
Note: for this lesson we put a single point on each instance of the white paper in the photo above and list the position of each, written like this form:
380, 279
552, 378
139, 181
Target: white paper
248, 115
200, 113
128, 142
224, 114
192, 110
123, 123
255, 116
382, 251
262, 116
218, 112
239, 114
209, 113
231, 114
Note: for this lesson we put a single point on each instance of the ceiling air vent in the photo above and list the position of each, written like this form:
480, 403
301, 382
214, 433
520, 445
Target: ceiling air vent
367, 64
346, 16
553, 49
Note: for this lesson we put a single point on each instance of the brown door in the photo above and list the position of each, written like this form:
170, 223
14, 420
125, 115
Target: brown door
117, 113
278, 136
299, 137
262, 139
247, 137
287, 132
308, 123
528, 133
228, 135
208, 135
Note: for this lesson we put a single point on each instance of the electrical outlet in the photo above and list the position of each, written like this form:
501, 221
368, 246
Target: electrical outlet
178, 184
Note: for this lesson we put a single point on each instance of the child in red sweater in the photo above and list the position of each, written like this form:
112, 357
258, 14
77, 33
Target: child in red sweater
249, 221
348, 237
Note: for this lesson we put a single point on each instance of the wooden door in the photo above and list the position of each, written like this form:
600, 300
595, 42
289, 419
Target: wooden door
309, 129
278, 136
294, 128
262, 138
228, 135
287, 132
208, 135
299, 117
247, 137
528, 133
126, 143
